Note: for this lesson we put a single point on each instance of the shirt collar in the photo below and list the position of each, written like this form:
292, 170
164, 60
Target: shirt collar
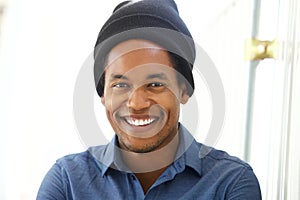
188, 153
104, 155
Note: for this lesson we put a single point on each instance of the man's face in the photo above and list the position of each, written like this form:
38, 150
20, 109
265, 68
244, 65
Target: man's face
142, 95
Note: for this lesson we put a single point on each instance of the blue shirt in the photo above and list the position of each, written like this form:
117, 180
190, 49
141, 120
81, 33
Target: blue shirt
199, 172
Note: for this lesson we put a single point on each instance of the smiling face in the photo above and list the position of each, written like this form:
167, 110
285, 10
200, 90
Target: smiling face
142, 95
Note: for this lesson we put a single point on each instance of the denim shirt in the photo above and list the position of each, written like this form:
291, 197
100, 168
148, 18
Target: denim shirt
198, 172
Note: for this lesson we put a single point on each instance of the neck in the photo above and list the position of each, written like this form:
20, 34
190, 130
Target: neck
151, 161
149, 166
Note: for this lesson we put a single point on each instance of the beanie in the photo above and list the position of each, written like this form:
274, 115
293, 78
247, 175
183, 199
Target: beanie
154, 20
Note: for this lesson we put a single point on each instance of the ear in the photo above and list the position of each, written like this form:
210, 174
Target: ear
103, 100
184, 96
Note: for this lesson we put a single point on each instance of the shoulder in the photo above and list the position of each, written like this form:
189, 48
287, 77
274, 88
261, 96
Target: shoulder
212, 157
74, 170
234, 173
219, 165
238, 176
224, 176
80, 160
231, 173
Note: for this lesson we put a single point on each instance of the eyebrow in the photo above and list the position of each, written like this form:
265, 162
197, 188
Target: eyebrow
151, 76
118, 76
159, 76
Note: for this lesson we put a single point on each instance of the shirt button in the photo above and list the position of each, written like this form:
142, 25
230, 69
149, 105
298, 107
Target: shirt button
133, 177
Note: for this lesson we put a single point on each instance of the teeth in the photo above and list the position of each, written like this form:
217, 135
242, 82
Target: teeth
139, 122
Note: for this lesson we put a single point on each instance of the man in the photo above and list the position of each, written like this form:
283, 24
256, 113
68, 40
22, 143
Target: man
144, 56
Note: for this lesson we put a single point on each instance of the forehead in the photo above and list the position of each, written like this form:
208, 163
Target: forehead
133, 45
137, 53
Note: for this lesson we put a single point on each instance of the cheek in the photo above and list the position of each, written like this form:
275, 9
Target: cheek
173, 105
171, 97
114, 102
169, 103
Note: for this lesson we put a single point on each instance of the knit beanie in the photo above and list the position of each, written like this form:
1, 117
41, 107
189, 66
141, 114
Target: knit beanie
154, 20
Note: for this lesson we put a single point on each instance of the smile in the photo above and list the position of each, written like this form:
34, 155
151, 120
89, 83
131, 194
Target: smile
140, 125
139, 122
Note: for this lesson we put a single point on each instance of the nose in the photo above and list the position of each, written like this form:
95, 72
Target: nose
138, 99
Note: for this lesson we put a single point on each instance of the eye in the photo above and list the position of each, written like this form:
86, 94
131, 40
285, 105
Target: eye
120, 85
155, 84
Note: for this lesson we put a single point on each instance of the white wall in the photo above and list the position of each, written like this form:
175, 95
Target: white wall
44, 44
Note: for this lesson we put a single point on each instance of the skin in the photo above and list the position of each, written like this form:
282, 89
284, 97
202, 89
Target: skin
142, 98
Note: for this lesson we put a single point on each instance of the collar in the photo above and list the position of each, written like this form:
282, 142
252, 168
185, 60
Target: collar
108, 156
188, 154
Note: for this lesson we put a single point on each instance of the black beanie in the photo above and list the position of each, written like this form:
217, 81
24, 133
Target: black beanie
154, 20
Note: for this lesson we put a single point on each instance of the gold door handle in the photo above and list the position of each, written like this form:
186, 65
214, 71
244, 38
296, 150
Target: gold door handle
258, 49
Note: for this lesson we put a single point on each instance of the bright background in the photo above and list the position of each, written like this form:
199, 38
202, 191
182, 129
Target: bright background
43, 45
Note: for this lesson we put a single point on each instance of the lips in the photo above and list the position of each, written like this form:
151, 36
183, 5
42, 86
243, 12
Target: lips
140, 124
139, 121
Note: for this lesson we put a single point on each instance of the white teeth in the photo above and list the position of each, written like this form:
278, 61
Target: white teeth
139, 122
